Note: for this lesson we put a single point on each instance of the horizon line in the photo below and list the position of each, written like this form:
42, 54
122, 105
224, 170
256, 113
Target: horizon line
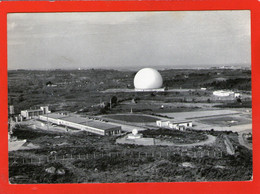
241, 66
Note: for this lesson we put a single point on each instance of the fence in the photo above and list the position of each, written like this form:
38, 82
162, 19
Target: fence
133, 154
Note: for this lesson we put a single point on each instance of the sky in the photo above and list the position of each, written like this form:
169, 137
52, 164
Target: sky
128, 40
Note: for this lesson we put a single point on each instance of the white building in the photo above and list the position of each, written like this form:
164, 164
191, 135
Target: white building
237, 95
179, 125
80, 123
222, 93
11, 109
35, 112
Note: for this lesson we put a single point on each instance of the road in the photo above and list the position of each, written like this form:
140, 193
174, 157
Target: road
211, 139
242, 141
149, 141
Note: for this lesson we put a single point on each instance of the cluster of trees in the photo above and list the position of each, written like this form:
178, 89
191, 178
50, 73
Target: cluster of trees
176, 136
238, 83
111, 163
31, 173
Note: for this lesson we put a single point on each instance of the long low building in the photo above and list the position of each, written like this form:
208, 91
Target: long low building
31, 113
85, 124
179, 125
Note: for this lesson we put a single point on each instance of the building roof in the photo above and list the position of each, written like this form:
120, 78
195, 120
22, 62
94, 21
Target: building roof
55, 115
83, 121
75, 119
33, 110
100, 125
176, 121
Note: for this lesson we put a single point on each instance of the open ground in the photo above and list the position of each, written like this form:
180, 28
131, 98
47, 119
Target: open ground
213, 149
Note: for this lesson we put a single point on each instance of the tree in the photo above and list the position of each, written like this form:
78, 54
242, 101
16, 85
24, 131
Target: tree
239, 100
153, 94
49, 83
113, 100
21, 98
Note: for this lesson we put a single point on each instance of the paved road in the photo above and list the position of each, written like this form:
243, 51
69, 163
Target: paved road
242, 141
149, 141
235, 128
201, 114
211, 139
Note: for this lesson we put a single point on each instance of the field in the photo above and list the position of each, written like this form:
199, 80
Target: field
80, 158
174, 136
83, 90
132, 118
56, 156
226, 121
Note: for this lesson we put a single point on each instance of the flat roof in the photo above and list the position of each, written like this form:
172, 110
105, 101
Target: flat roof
174, 122
83, 121
180, 122
35, 110
75, 119
100, 125
55, 115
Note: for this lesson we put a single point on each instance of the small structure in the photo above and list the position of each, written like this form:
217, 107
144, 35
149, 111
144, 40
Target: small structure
13, 143
222, 93
150, 90
237, 95
179, 125
134, 135
11, 110
35, 112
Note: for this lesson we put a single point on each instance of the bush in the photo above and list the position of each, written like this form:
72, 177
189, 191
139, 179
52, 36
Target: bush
37, 173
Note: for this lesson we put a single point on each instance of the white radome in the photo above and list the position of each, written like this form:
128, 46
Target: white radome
134, 131
148, 78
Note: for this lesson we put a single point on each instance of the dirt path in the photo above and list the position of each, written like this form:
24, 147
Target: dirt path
242, 141
81, 175
211, 139
150, 141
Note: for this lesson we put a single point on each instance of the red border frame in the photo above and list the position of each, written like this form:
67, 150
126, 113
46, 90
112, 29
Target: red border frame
80, 6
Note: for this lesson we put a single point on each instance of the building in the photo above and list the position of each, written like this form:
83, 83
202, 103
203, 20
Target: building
222, 93
134, 135
179, 125
11, 110
148, 80
150, 90
237, 95
31, 113
80, 123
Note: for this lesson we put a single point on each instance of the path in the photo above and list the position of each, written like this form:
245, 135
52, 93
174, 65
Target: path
142, 141
211, 139
242, 141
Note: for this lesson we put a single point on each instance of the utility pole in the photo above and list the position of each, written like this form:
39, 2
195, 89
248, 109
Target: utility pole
47, 121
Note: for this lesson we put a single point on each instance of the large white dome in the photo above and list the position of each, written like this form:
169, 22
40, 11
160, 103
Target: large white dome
148, 78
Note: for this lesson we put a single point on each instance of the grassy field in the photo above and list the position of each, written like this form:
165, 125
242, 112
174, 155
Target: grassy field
132, 118
79, 90
175, 136
82, 92
227, 121
128, 167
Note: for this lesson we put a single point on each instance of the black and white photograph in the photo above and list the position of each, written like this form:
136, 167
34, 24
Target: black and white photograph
129, 97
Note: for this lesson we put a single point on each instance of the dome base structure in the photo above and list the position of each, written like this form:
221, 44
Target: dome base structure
134, 135
150, 90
